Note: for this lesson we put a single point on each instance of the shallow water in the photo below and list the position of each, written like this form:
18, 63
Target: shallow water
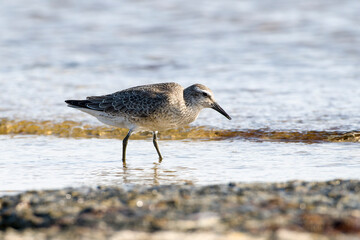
49, 162
274, 66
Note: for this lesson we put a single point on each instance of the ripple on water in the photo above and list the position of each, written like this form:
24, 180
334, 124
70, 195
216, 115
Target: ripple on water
275, 64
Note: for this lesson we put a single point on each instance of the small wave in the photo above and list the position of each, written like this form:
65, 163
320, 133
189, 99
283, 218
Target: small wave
78, 130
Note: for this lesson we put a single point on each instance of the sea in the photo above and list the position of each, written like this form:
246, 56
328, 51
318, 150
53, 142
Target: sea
287, 72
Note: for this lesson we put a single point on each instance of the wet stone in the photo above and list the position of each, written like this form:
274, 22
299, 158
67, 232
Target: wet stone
323, 208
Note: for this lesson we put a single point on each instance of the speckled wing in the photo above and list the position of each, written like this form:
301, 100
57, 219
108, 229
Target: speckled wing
133, 102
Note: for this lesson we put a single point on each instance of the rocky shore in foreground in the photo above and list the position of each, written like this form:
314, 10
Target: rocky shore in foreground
291, 210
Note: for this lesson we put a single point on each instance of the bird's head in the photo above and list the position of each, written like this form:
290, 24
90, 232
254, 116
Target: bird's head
203, 97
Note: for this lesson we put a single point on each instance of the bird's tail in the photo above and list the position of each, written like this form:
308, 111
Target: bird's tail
77, 103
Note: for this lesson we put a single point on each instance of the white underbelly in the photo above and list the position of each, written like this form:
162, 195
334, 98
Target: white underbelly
116, 121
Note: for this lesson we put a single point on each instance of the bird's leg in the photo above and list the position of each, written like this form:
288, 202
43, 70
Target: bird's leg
125, 141
156, 144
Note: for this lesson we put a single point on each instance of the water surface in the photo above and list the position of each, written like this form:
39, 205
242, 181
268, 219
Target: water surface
50, 162
274, 66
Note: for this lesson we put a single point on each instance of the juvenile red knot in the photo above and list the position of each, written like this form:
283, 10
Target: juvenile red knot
154, 107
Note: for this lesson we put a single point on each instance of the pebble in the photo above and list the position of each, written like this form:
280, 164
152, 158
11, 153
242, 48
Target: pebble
258, 210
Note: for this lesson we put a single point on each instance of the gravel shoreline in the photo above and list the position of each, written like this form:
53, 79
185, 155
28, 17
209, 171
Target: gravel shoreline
312, 210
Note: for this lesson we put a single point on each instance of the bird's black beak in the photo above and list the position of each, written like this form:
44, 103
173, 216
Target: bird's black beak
217, 107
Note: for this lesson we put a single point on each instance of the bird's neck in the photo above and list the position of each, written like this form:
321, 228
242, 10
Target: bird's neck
192, 107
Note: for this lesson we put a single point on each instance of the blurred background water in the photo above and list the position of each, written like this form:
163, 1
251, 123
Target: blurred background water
278, 65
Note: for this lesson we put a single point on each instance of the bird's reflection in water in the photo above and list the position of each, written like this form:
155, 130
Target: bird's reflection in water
144, 172
137, 175
156, 176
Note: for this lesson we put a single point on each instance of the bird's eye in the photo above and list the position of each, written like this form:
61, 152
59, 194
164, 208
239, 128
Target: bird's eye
204, 94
